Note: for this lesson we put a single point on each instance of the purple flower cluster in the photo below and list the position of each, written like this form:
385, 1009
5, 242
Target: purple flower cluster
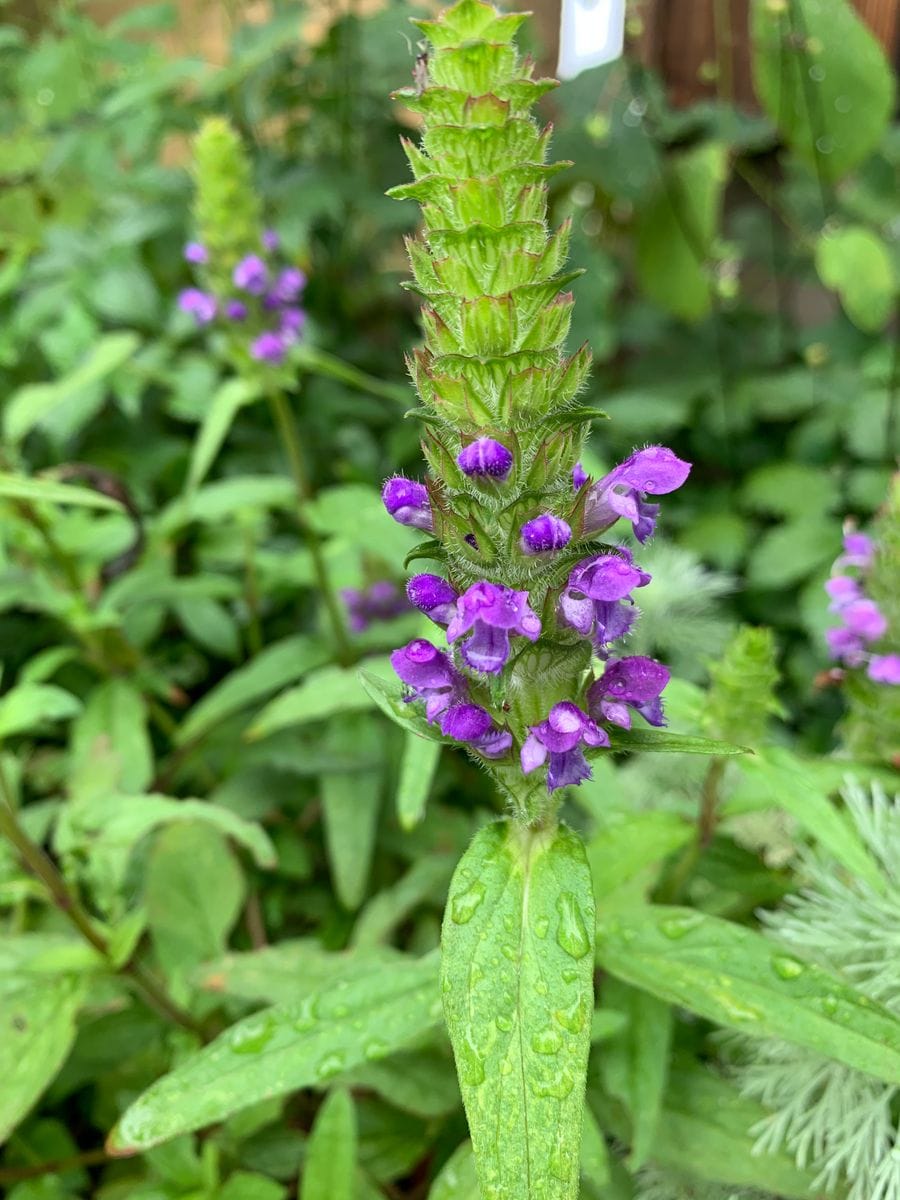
381, 601
484, 620
862, 621
265, 299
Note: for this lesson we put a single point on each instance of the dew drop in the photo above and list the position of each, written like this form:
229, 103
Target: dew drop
557, 1086
464, 906
504, 1023
330, 1065
830, 1005
738, 1011
541, 927
306, 1017
470, 1063
374, 1050
786, 967
341, 1010
842, 104
677, 927
574, 1018
817, 73
252, 1038
547, 1041
571, 935
825, 144
569, 975
541, 988
509, 952
506, 1067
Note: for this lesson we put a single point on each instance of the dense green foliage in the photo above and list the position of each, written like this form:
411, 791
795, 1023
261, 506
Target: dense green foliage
224, 866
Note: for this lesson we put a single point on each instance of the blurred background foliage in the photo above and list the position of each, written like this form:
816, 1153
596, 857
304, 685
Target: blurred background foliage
735, 205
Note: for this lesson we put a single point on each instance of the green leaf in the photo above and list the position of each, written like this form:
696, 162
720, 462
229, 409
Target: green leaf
625, 856
857, 264
388, 696
329, 1169
659, 741
37, 490
246, 1185
37, 1017
194, 889
32, 404
351, 801
278, 1050
457, 1179
114, 722
738, 978
787, 554
427, 879
675, 232
226, 403
30, 705
421, 1082
324, 693
271, 669
417, 770
517, 985
635, 1063
823, 80
594, 1154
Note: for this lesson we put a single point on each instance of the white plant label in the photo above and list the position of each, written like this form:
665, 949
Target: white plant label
592, 32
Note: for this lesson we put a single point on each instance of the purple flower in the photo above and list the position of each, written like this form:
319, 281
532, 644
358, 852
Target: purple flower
842, 589
236, 310
636, 682
288, 286
845, 646
431, 676
864, 619
251, 274
379, 602
655, 470
561, 737
201, 305
596, 601
270, 240
407, 502
292, 322
885, 668
433, 596
473, 724
859, 550
579, 477
269, 347
544, 534
492, 612
196, 252
485, 458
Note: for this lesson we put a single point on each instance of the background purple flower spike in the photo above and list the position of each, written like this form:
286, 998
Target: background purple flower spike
472, 724
634, 682
251, 275
236, 310
196, 252
270, 240
433, 596
381, 601
485, 458
201, 305
407, 502
492, 612
431, 676
656, 470
288, 286
544, 534
859, 550
269, 348
561, 737
885, 668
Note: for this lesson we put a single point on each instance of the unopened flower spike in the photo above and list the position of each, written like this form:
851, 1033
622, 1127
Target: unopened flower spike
526, 594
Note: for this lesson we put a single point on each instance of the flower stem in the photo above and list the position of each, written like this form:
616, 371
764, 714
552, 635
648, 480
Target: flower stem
287, 430
43, 868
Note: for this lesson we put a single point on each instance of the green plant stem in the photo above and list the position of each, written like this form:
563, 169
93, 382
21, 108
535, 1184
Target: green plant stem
55, 1166
672, 889
287, 430
43, 868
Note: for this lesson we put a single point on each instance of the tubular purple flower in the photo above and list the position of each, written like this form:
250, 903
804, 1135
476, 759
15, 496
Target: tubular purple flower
270, 240
472, 724
859, 550
561, 737
196, 252
235, 310
842, 589
200, 305
885, 668
485, 458
491, 612
846, 646
864, 619
545, 534
251, 275
292, 323
431, 676
433, 596
656, 470
380, 602
269, 348
407, 502
288, 286
579, 477
596, 600
634, 682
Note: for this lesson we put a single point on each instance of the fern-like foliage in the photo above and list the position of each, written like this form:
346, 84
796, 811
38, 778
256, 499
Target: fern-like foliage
831, 1117
654, 1183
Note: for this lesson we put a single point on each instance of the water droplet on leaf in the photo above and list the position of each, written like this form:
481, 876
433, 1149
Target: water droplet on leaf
547, 1041
571, 935
786, 967
464, 906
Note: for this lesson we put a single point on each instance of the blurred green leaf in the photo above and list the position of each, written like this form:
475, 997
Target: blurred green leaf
30, 705
327, 692
417, 770
857, 264
351, 801
329, 1170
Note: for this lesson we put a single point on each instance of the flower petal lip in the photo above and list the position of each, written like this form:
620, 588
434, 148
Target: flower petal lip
655, 469
485, 458
561, 737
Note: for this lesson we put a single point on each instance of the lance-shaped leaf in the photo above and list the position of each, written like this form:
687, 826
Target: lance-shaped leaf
739, 978
329, 1172
302, 1044
518, 995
